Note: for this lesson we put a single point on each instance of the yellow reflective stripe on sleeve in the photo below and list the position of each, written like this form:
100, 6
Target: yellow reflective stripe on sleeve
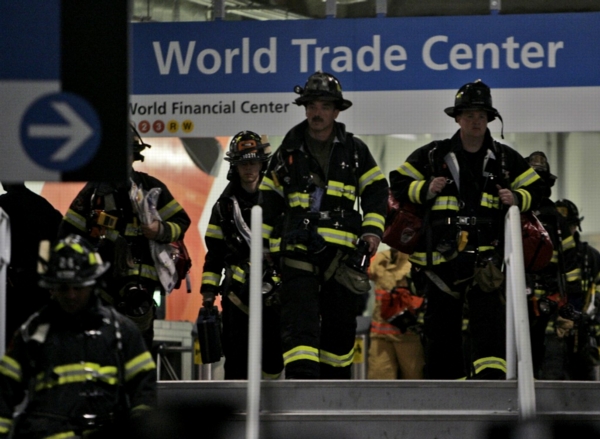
568, 243
266, 231
10, 368
410, 171
267, 184
274, 245
77, 373
374, 220
338, 237
5, 425
526, 196
372, 175
238, 274
445, 203
76, 220
175, 230
209, 278
490, 201
336, 360
141, 363
574, 275
414, 189
214, 231
169, 210
525, 179
301, 353
489, 363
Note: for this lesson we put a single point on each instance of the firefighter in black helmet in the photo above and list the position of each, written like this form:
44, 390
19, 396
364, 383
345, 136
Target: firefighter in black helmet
84, 367
227, 263
572, 335
103, 212
314, 179
547, 288
465, 184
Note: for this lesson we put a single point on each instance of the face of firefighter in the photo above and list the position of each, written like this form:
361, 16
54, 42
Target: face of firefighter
473, 123
71, 299
320, 116
249, 172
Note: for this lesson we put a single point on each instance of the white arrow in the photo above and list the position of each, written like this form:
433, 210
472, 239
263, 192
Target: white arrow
77, 131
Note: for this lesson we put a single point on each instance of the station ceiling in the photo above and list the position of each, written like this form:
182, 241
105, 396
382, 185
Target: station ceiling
203, 10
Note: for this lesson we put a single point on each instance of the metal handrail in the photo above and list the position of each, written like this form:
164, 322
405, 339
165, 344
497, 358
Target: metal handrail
255, 326
519, 364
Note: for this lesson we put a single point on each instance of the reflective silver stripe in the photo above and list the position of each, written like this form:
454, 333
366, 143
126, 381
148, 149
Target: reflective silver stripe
301, 353
76, 220
142, 362
11, 368
169, 210
489, 363
336, 360
410, 171
214, 231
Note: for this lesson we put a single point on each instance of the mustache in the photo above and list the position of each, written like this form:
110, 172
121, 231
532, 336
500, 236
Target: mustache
317, 119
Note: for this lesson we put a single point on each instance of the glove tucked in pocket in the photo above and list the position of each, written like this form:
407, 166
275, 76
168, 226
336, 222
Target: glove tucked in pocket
488, 276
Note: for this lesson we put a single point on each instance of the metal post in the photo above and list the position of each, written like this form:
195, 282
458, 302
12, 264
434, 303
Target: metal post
381, 8
218, 9
517, 318
5, 244
330, 8
495, 6
255, 326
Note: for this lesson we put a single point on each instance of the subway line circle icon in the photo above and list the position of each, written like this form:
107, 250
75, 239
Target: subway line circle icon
61, 131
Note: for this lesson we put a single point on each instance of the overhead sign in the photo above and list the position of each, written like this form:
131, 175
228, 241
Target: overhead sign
200, 79
64, 87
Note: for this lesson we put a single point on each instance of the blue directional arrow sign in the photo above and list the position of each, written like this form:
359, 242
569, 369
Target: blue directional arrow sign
60, 132
64, 68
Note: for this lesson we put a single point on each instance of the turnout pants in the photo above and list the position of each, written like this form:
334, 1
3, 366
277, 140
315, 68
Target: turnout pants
318, 320
446, 351
235, 342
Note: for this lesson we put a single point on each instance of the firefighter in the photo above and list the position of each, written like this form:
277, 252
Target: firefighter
464, 186
32, 219
313, 229
395, 348
227, 263
547, 288
84, 367
574, 330
104, 213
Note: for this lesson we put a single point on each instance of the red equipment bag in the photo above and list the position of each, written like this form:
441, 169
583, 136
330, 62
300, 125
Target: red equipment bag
403, 225
182, 259
537, 245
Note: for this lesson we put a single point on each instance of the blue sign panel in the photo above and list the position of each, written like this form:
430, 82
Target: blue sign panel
422, 53
61, 132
